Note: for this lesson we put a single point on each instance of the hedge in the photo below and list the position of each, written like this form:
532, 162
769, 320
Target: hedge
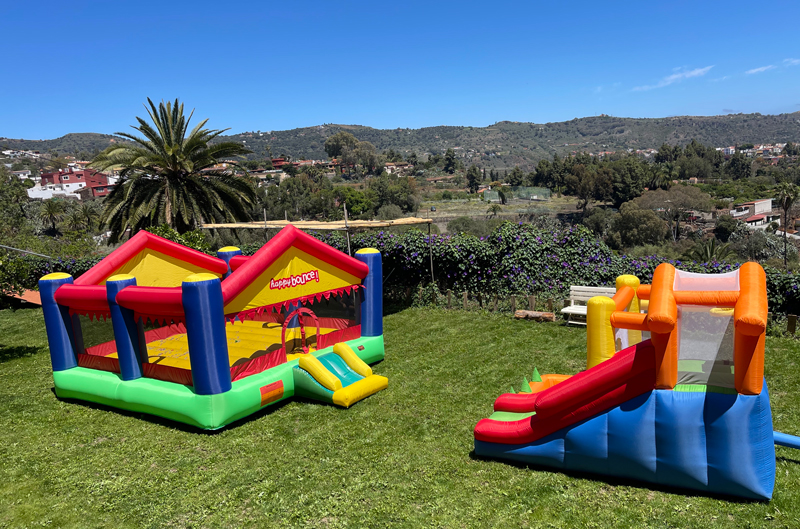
514, 259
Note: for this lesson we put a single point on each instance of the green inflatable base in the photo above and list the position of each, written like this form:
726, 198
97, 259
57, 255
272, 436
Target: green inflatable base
180, 403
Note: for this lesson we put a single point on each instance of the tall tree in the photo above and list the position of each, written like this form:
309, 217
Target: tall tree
473, 178
172, 175
449, 161
675, 204
739, 166
516, 177
787, 196
339, 142
52, 212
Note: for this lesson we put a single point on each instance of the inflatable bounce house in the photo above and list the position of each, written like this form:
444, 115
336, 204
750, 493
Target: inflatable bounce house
208, 340
674, 396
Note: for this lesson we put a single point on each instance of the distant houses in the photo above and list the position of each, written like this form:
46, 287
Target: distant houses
79, 184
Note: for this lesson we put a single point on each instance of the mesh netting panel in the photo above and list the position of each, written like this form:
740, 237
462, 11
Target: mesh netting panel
693, 282
705, 346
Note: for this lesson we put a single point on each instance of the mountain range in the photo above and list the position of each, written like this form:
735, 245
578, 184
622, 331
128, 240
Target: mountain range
501, 145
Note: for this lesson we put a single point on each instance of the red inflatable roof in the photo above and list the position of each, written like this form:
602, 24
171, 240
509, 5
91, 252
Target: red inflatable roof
147, 241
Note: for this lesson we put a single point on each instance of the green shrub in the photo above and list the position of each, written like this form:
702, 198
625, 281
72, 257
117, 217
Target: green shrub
513, 259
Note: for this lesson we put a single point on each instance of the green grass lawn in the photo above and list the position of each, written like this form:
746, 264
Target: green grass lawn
401, 457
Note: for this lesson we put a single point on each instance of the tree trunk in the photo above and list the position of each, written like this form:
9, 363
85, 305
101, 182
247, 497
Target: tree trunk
785, 227
167, 206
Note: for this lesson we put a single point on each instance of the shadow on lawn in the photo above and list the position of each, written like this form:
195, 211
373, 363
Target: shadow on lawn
176, 425
12, 352
615, 481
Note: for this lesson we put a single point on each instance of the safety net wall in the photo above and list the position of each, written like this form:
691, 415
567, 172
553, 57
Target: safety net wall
705, 346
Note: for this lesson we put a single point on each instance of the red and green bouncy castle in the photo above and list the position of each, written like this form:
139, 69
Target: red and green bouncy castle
208, 340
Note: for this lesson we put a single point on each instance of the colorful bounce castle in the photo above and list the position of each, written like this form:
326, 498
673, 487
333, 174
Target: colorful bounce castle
208, 340
674, 393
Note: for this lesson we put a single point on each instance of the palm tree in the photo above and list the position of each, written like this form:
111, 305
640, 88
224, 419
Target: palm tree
787, 196
52, 211
662, 176
88, 211
75, 220
170, 176
494, 209
710, 250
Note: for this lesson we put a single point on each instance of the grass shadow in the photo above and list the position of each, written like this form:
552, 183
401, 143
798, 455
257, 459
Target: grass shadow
616, 481
12, 352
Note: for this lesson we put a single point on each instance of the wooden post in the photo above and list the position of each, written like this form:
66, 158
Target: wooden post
430, 250
347, 230
494, 303
791, 324
550, 305
480, 300
420, 295
531, 302
408, 294
465, 300
449, 299
513, 303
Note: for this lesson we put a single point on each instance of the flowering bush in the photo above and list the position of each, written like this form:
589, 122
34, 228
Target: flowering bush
514, 259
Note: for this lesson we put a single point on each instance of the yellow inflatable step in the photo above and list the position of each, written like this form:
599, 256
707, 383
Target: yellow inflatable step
362, 389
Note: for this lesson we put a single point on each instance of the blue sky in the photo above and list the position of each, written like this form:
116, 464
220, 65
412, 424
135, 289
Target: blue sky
86, 66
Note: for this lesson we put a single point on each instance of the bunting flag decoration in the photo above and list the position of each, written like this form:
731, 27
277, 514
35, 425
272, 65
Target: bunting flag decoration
285, 305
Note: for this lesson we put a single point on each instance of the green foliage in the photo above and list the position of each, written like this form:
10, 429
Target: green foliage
471, 226
711, 250
636, 226
725, 227
449, 162
338, 143
196, 239
760, 246
168, 176
389, 212
516, 177
474, 178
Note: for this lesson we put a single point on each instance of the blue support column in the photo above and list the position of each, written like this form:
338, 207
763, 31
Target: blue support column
58, 322
205, 331
372, 301
294, 323
126, 330
226, 254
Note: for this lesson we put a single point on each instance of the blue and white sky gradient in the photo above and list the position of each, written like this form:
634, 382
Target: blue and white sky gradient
87, 66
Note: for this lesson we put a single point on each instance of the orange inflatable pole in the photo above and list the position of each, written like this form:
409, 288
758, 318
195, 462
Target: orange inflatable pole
629, 320
643, 292
623, 297
662, 316
750, 325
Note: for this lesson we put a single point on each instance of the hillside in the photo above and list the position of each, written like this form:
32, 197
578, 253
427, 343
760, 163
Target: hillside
502, 145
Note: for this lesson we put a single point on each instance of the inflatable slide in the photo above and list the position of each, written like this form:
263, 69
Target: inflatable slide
687, 406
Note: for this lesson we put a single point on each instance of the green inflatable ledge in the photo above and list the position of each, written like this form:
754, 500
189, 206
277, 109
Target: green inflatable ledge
180, 403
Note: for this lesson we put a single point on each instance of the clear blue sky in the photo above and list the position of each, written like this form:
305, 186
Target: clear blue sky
86, 66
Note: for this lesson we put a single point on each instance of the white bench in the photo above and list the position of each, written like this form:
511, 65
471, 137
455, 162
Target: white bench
578, 296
